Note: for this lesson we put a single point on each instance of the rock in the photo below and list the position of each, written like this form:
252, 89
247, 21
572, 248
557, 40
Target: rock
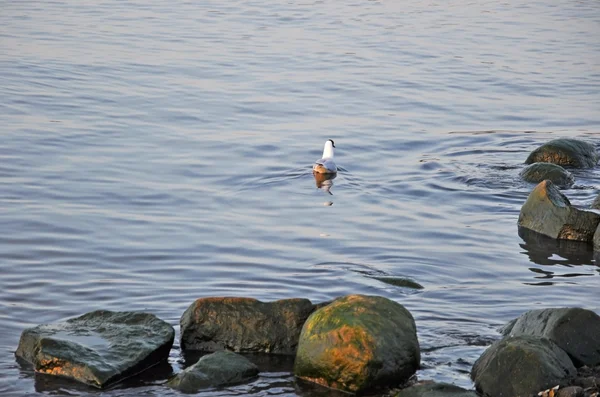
98, 348
358, 343
537, 172
575, 330
596, 204
217, 369
244, 325
565, 152
521, 366
596, 239
549, 212
431, 389
399, 281
570, 391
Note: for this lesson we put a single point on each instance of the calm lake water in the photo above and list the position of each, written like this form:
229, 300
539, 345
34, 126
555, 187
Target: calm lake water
154, 152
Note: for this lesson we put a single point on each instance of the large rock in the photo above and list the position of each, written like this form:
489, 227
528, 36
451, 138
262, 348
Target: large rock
98, 348
575, 330
565, 152
537, 172
358, 343
521, 366
596, 239
244, 325
431, 389
213, 370
549, 212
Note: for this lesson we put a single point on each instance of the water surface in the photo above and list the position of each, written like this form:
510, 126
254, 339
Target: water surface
152, 153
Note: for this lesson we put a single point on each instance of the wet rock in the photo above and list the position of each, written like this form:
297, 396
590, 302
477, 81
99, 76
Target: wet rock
431, 389
570, 391
549, 212
575, 330
521, 366
537, 172
244, 325
596, 239
399, 281
98, 348
596, 204
358, 343
213, 370
565, 152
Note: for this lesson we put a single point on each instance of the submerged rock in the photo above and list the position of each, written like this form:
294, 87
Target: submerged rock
565, 152
575, 330
549, 212
432, 389
537, 172
98, 348
358, 343
213, 370
521, 366
244, 325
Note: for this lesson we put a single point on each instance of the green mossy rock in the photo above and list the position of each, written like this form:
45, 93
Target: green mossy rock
213, 370
521, 366
549, 212
431, 389
358, 343
566, 152
244, 325
98, 348
537, 172
575, 330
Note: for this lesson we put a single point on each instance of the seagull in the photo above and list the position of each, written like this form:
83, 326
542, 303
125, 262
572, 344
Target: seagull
326, 164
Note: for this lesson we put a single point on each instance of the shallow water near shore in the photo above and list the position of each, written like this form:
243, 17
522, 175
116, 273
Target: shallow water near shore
153, 153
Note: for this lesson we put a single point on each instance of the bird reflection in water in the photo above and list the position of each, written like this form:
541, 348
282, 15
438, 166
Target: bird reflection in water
324, 181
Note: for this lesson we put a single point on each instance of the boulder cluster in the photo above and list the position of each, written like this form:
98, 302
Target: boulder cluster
357, 344
547, 210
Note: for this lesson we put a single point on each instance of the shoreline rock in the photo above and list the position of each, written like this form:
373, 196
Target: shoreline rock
213, 370
98, 348
565, 152
244, 325
537, 172
549, 212
358, 343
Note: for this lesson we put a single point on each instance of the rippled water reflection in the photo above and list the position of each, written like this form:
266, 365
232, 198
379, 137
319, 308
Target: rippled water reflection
153, 153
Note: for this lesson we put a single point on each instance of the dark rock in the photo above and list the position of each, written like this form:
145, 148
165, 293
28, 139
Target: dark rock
565, 152
98, 348
521, 366
244, 325
596, 204
596, 239
399, 281
537, 172
431, 389
570, 391
575, 330
213, 370
358, 343
549, 212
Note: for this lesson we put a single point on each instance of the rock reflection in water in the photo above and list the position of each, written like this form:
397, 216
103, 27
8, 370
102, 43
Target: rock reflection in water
547, 251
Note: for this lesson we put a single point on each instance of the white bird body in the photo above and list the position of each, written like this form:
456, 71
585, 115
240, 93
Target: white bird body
326, 165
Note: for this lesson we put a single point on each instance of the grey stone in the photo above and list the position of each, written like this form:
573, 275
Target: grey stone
537, 172
213, 370
549, 212
98, 348
358, 343
431, 389
596, 240
566, 152
521, 366
596, 204
570, 391
244, 325
575, 330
